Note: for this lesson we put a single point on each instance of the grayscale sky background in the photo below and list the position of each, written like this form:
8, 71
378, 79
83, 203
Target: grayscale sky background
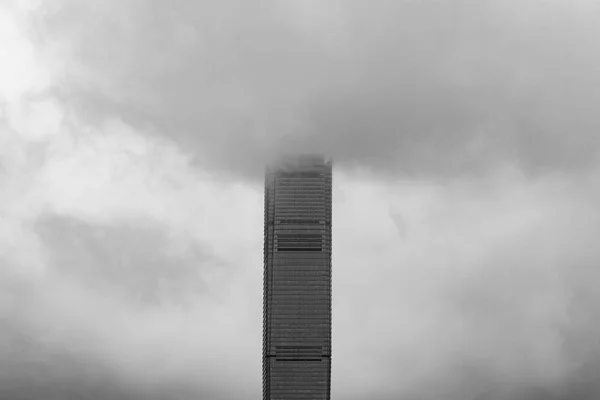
465, 135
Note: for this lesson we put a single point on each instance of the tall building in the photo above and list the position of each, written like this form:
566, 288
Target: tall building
297, 280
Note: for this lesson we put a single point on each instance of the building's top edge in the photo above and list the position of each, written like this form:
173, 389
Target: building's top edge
301, 160
306, 157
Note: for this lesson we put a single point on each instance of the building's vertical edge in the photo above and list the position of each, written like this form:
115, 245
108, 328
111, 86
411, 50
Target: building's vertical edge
265, 360
329, 232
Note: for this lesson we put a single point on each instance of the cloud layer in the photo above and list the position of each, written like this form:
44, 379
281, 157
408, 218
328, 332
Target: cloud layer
414, 88
132, 139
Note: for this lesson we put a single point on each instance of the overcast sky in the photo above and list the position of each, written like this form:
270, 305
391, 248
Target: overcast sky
465, 137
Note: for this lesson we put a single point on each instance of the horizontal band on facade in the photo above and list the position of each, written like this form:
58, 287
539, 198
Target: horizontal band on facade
280, 358
298, 221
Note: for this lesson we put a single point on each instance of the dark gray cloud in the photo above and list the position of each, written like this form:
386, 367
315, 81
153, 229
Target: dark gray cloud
408, 87
138, 263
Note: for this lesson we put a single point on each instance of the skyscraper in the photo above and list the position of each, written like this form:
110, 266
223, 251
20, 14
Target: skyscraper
297, 280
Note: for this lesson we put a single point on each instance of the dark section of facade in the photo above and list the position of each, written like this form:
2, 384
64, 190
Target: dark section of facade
297, 280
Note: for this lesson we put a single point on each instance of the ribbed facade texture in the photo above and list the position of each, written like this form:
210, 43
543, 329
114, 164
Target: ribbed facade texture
297, 280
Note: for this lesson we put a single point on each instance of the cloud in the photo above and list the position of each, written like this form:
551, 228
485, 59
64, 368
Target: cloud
19, 69
414, 88
113, 264
131, 137
479, 296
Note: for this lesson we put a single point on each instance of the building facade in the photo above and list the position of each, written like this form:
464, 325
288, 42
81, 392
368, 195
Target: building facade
297, 280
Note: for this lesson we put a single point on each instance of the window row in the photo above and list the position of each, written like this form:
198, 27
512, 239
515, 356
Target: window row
315, 262
304, 276
288, 296
307, 322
